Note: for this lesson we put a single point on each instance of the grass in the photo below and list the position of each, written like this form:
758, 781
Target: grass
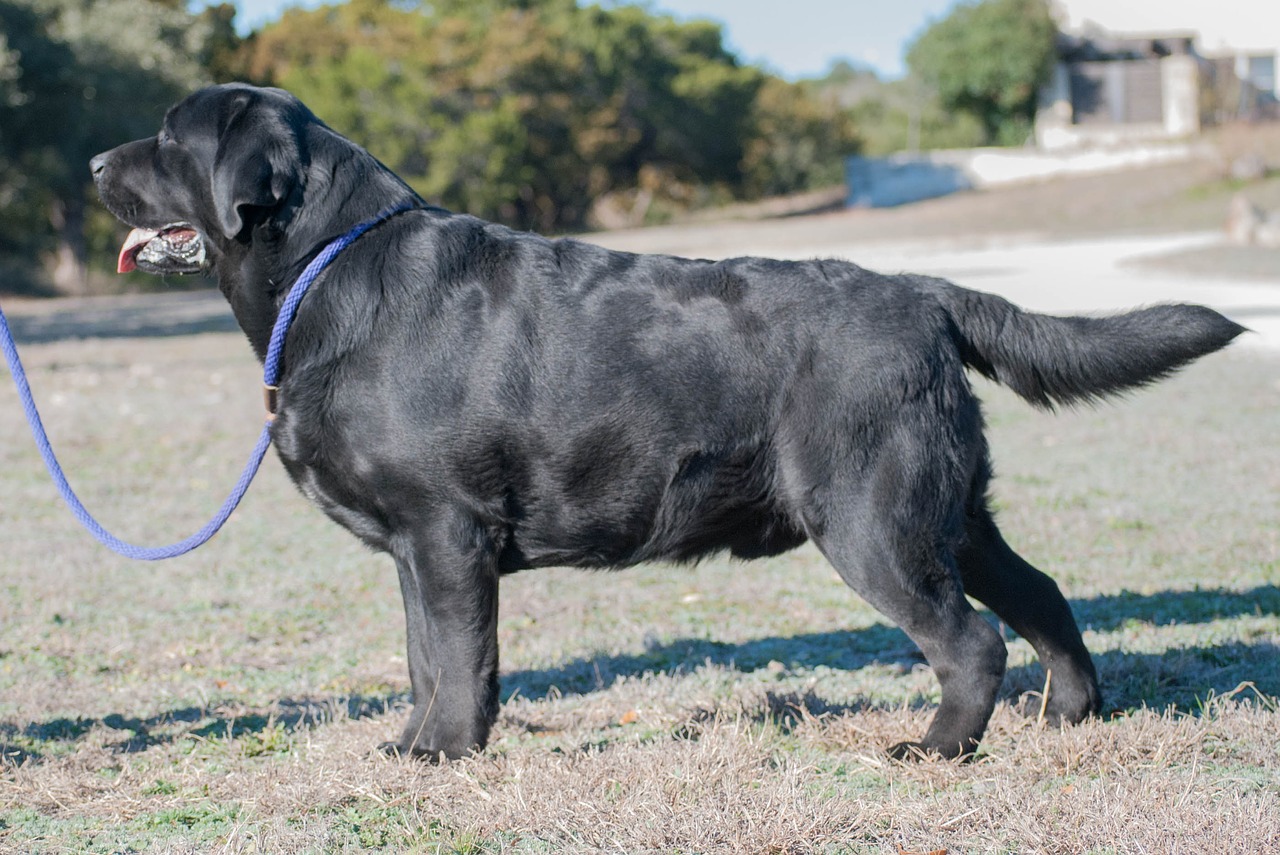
230, 701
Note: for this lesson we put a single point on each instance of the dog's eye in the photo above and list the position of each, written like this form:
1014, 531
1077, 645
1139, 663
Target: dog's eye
165, 138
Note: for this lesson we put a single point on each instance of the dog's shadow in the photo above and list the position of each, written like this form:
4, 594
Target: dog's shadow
886, 645
847, 650
1184, 677
287, 714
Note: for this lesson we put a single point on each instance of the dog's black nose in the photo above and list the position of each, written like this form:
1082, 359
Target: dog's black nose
98, 164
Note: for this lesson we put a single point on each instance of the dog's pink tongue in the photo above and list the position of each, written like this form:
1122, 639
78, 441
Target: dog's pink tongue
133, 244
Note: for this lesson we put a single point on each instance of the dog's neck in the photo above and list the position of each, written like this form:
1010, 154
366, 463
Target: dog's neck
256, 276
353, 184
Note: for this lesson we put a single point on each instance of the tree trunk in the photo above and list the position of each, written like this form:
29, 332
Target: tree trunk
70, 273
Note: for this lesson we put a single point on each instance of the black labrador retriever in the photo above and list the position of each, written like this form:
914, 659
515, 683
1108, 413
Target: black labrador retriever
476, 401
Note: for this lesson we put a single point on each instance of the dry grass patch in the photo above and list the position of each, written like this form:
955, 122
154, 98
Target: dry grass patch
230, 701
747, 780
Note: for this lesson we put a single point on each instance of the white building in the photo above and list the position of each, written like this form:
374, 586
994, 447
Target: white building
1158, 69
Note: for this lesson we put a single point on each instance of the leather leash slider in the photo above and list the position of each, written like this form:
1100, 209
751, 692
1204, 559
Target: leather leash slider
271, 398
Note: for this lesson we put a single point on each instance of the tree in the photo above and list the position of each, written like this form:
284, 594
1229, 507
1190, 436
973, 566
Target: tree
9, 73
538, 113
220, 54
82, 77
800, 139
520, 110
988, 59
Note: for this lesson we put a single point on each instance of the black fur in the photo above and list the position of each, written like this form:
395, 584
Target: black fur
477, 401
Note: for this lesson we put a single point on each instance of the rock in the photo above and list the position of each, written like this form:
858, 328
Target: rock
1249, 167
1267, 233
1243, 220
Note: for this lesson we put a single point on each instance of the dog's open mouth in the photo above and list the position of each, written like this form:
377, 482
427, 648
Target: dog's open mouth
176, 248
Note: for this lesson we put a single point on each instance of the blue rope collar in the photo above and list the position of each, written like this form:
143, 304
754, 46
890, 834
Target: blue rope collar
271, 378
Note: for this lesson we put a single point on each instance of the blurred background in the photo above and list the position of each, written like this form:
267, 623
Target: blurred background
564, 116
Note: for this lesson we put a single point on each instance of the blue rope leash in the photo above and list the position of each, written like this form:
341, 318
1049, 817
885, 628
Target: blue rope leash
271, 377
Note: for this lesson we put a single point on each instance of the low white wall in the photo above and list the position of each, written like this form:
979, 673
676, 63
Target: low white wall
902, 178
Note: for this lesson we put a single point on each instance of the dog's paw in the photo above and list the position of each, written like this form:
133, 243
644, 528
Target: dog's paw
389, 749
396, 750
1063, 707
918, 752
911, 752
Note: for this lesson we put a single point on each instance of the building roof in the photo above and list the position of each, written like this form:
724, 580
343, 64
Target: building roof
1220, 26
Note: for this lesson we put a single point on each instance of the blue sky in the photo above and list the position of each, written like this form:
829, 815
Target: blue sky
795, 38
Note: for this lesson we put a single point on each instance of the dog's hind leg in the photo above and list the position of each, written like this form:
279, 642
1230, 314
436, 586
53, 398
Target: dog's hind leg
449, 581
1031, 604
886, 539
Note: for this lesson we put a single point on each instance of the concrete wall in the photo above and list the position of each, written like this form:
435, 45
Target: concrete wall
902, 178
1180, 79
884, 182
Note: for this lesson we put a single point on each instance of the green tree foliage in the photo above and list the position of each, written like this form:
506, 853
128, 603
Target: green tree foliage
988, 59
26, 56
894, 115
219, 56
514, 110
545, 114
9, 72
800, 137
76, 78
534, 111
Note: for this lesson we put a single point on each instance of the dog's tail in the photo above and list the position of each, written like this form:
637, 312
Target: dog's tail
1061, 360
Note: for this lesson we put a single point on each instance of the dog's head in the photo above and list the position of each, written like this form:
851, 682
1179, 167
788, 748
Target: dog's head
226, 158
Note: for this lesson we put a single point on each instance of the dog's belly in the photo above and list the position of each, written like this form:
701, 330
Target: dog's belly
703, 501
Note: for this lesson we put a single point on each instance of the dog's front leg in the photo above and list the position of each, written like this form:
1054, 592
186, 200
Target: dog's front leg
449, 581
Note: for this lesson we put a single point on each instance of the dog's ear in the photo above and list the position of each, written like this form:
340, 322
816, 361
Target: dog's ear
256, 164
